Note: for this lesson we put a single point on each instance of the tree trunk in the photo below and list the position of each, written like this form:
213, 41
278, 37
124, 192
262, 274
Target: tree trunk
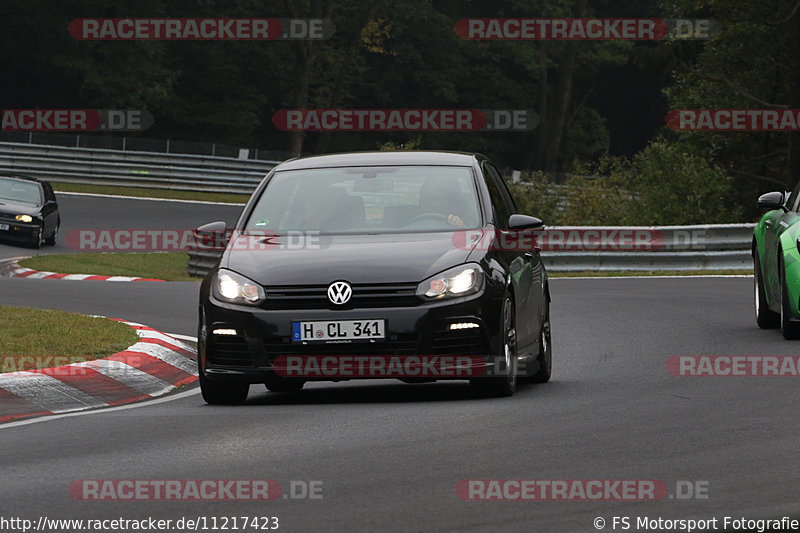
305, 54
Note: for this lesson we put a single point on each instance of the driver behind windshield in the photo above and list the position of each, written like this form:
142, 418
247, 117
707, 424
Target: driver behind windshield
435, 197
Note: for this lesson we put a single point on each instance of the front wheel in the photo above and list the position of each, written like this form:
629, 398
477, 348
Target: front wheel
37, 239
51, 241
765, 318
545, 356
504, 385
220, 393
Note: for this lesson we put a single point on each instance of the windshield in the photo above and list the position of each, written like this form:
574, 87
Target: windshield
25, 192
387, 199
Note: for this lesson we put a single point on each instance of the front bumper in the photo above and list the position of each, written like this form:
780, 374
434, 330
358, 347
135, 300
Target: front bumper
18, 231
416, 338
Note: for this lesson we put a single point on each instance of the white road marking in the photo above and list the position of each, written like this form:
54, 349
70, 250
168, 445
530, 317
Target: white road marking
59, 193
182, 337
149, 334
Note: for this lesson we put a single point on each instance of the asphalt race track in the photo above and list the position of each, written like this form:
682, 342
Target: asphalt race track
93, 213
389, 455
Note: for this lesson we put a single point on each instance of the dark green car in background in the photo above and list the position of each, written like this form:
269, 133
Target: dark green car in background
776, 263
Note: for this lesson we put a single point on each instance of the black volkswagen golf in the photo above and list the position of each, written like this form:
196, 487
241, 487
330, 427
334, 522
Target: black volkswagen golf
408, 265
28, 211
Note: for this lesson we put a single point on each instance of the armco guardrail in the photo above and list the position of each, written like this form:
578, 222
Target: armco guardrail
134, 169
700, 247
642, 248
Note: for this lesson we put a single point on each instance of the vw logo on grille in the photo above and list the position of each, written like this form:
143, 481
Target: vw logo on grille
339, 292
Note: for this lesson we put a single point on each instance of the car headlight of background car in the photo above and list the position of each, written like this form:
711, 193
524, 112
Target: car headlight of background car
232, 287
456, 282
24, 218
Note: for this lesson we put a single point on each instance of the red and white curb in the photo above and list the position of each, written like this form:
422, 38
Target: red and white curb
13, 270
154, 366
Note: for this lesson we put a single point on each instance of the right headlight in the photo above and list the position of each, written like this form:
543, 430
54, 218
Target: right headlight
459, 281
232, 287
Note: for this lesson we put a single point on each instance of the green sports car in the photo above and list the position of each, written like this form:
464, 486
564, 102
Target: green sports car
776, 263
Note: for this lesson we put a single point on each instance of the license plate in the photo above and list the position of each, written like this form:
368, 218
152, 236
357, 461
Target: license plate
4, 227
338, 330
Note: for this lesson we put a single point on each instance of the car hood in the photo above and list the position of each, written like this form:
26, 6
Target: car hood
11, 208
394, 258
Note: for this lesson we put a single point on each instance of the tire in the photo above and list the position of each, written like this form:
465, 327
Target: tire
545, 356
220, 393
280, 384
765, 318
37, 240
499, 386
790, 329
51, 241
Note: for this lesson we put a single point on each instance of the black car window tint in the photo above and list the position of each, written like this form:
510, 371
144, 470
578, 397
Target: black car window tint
793, 203
504, 191
502, 210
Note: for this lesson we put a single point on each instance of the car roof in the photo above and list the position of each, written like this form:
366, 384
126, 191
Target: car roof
382, 159
20, 177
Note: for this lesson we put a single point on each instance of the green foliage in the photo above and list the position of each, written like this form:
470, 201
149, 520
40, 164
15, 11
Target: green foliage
674, 183
667, 183
389, 146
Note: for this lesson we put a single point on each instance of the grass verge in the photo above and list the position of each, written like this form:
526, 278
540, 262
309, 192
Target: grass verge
629, 273
38, 338
169, 266
152, 193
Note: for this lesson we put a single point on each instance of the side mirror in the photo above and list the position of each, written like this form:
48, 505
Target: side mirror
772, 200
523, 222
212, 235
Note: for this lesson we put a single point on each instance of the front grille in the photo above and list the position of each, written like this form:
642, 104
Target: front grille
229, 350
459, 342
364, 295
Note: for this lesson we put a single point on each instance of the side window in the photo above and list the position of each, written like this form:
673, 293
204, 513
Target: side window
505, 191
502, 202
49, 195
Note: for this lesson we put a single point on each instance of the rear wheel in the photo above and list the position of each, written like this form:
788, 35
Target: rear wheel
504, 385
221, 393
280, 384
790, 329
765, 318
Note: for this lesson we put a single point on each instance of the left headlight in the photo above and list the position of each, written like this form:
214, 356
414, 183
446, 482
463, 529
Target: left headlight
460, 281
24, 218
235, 288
